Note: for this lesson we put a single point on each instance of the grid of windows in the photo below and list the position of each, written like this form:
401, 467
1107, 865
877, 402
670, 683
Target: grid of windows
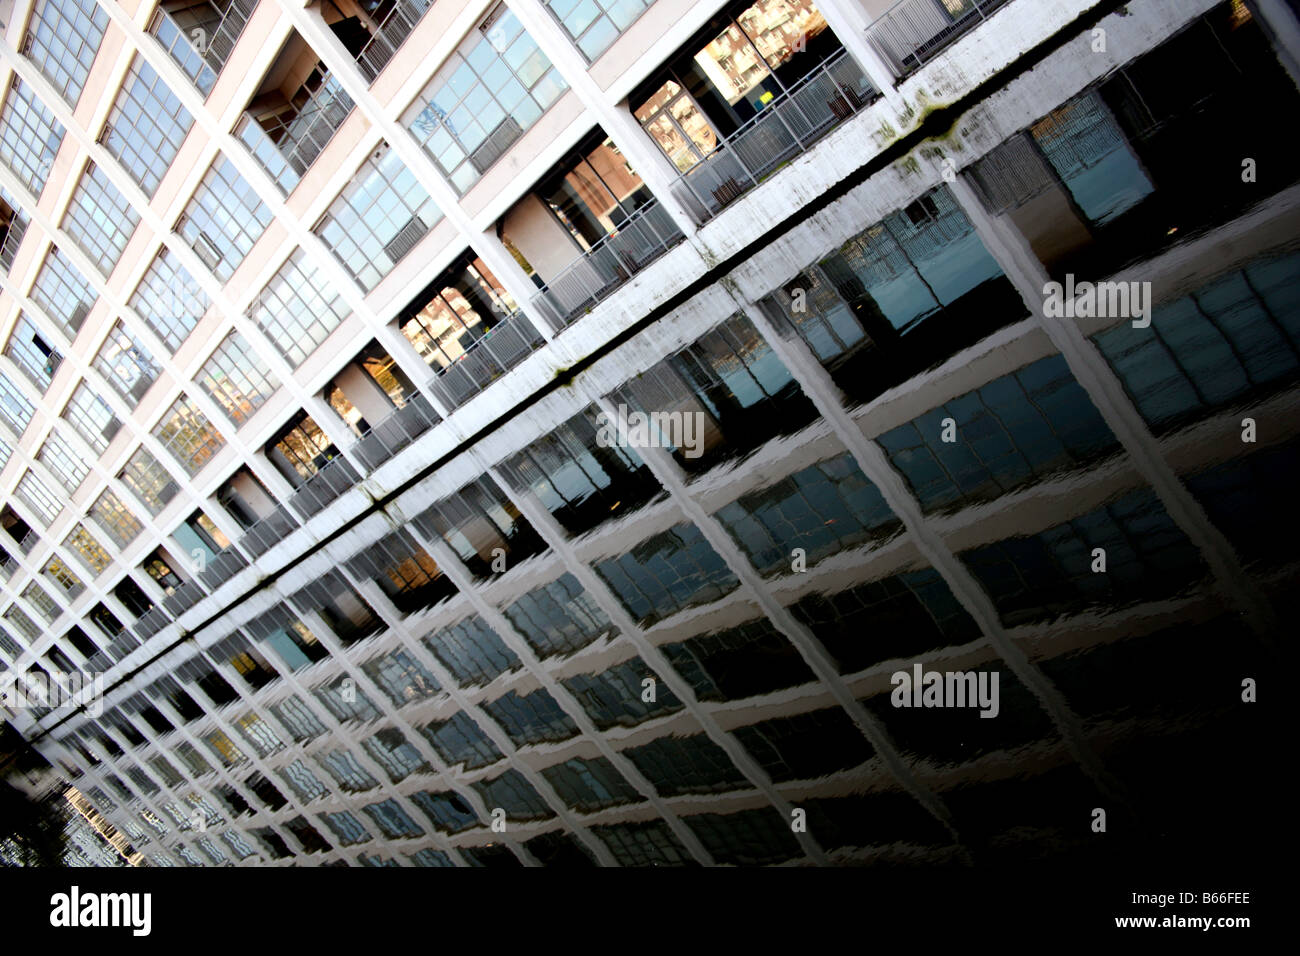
188, 435
149, 481
115, 519
379, 217
63, 462
63, 293
61, 41
146, 126
89, 551
93, 420
594, 24
99, 219
14, 407
237, 378
492, 89
223, 220
125, 364
39, 497
29, 135
298, 309
169, 300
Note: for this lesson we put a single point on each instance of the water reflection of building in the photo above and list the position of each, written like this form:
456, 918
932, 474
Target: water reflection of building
348, 440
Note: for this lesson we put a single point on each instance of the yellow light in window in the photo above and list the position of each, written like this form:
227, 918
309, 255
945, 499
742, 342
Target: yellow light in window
766, 98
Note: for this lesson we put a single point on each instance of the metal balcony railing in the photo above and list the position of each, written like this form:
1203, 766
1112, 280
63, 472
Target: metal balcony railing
28, 542
267, 532
202, 51
325, 486
288, 156
151, 622
500, 349
11, 240
386, 438
392, 32
601, 270
122, 645
183, 598
913, 31
786, 127
224, 566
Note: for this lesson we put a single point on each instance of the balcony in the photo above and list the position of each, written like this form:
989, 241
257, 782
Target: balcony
13, 226
201, 36
645, 236
912, 32
222, 568
384, 440
789, 125
151, 622
183, 598
336, 477
500, 349
394, 27
266, 533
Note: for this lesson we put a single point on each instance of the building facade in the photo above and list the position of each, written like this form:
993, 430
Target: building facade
536, 432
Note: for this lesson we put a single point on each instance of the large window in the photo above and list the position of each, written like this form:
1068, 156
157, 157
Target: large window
298, 308
380, 216
29, 135
37, 496
149, 481
169, 300
667, 572
32, 353
594, 24
146, 126
63, 293
492, 89
63, 462
115, 519
188, 435
99, 219
223, 220
237, 378
61, 41
14, 407
88, 550
126, 364
93, 420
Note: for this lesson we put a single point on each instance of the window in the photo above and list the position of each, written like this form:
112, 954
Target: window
457, 310
747, 838
459, 740
188, 435
29, 135
677, 765
590, 785
93, 420
806, 746
743, 661
531, 718
35, 595
403, 678
643, 844
613, 697
391, 750
63, 293
99, 219
14, 407
670, 571
13, 226
594, 24
237, 378
115, 519
223, 220
512, 792
63, 462
379, 217
32, 353
259, 734
33, 491
492, 89
217, 22
126, 364
448, 812
298, 309
347, 773
298, 719
88, 550
149, 481
61, 41
472, 651
146, 126
302, 781
392, 820
824, 509
169, 300
64, 577
22, 623
346, 702
346, 827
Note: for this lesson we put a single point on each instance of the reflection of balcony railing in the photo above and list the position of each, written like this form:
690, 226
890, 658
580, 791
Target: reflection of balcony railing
503, 347
644, 237
395, 432
267, 532
783, 129
392, 32
151, 622
912, 31
320, 489
224, 566
287, 158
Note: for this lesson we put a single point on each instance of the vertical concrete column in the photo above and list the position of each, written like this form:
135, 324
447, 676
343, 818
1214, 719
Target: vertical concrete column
849, 21
1282, 24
